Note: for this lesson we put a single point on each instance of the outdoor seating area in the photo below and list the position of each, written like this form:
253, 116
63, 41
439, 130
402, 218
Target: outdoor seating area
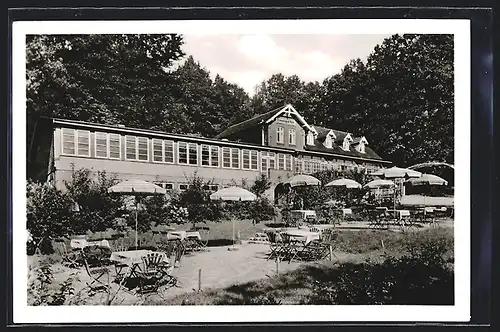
145, 263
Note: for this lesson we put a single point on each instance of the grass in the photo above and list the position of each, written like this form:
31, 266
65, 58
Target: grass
368, 264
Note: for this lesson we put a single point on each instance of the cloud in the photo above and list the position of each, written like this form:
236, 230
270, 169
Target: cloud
247, 60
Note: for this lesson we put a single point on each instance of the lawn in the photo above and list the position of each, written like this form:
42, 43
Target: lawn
246, 277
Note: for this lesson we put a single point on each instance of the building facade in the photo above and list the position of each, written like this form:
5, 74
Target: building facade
279, 143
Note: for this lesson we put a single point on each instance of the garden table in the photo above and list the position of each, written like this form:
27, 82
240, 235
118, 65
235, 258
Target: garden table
302, 235
130, 259
82, 243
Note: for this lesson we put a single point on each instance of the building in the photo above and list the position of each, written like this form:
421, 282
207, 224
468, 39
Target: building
279, 143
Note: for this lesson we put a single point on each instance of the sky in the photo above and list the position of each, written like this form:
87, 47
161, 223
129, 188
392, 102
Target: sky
248, 60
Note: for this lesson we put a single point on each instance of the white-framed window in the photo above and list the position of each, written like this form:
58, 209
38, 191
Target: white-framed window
107, 145
235, 158
158, 150
183, 186
291, 136
361, 147
268, 161
163, 151
245, 159
346, 145
289, 163
310, 138
136, 148
210, 156
182, 152
215, 156
115, 151
75, 142
165, 185
254, 160
83, 143
211, 187
101, 144
281, 161
68, 141
168, 151
188, 153
328, 142
226, 157
193, 154
280, 133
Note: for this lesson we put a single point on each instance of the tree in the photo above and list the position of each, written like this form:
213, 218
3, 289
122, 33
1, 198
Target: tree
260, 185
102, 78
96, 209
48, 215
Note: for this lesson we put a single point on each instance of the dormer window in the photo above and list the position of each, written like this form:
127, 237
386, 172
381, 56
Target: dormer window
328, 142
329, 139
310, 138
361, 145
346, 145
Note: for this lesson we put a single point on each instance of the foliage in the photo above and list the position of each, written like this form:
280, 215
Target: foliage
96, 209
39, 287
421, 277
197, 201
48, 215
261, 210
260, 185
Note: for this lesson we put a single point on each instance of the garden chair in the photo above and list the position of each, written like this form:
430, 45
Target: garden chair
155, 273
275, 245
97, 272
69, 258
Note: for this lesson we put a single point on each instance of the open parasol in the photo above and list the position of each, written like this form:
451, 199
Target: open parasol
136, 188
233, 194
427, 180
346, 183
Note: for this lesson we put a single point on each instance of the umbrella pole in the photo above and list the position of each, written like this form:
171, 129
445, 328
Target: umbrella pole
233, 231
136, 213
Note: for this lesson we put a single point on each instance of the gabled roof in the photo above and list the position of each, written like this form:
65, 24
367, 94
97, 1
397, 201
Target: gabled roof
358, 140
258, 119
335, 149
264, 118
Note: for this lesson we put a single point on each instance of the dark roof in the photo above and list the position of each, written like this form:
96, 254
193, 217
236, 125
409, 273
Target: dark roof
319, 147
356, 140
258, 119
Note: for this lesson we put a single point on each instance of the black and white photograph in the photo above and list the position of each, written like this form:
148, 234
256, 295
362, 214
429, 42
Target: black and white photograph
226, 165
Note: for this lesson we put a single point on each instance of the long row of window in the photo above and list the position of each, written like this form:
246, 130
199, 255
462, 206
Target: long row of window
107, 145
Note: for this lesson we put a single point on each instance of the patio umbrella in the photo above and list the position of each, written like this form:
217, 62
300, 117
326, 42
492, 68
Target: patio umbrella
397, 172
346, 183
302, 180
233, 194
380, 183
136, 188
427, 180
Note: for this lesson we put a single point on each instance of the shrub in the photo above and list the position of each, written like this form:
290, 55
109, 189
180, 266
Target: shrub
418, 278
39, 288
48, 216
95, 208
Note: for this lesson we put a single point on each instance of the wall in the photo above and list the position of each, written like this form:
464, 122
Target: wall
152, 172
286, 123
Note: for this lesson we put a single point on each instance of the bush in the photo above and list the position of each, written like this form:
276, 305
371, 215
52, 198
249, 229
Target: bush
421, 277
48, 216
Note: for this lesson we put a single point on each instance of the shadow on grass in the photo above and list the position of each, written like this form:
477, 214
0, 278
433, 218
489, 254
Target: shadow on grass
391, 282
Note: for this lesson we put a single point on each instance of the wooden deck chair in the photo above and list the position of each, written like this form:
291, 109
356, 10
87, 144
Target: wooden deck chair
97, 274
275, 245
69, 258
155, 273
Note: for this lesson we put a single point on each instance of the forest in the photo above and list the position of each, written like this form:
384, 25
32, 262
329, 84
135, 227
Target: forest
401, 98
